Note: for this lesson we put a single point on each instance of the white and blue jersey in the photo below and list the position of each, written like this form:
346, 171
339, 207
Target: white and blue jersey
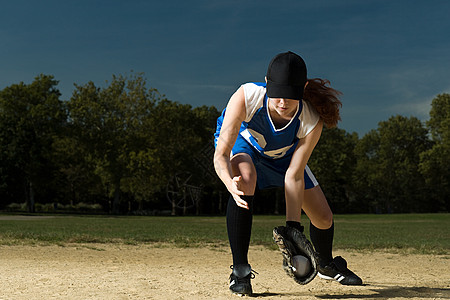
269, 147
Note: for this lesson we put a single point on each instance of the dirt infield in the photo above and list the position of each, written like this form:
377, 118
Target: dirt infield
148, 272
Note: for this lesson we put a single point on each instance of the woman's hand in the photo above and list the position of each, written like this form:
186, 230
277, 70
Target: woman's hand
236, 192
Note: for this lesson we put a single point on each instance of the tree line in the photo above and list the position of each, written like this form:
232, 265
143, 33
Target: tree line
125, 148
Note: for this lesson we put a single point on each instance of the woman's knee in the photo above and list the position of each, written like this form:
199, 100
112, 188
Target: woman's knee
242, 165
325, 220
322, 221
317, 208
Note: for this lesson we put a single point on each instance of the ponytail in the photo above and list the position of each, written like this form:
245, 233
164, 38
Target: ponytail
324, 99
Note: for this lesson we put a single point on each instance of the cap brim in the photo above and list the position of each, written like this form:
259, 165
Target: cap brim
276, 90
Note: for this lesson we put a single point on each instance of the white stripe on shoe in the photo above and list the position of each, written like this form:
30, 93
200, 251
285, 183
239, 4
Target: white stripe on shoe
324, 276
338, 277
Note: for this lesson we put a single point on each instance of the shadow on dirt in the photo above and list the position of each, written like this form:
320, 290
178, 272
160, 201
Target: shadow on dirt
392, 292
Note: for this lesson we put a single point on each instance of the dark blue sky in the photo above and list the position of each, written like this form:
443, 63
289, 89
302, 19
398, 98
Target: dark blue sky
387, 57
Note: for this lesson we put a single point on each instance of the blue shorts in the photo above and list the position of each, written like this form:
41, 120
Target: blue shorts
270, 172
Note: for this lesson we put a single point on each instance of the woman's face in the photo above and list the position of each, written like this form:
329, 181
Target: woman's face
285, 108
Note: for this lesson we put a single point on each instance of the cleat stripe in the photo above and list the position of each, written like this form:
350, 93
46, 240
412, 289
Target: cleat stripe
324, 276
338, 277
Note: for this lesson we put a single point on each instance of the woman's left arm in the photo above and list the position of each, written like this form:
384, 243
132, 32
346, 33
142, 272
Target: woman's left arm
294, 182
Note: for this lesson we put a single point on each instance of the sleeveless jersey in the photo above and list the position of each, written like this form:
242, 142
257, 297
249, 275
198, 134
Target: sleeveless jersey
259, 130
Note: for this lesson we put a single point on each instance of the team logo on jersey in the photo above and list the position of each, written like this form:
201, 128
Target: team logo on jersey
258, 141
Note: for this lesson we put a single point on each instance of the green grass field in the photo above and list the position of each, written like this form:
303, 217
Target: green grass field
417, 233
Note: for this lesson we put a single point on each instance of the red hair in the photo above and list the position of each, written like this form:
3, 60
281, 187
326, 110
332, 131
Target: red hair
325, 100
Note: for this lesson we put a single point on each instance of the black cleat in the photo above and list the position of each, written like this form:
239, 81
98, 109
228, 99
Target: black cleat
240, 280
337, 270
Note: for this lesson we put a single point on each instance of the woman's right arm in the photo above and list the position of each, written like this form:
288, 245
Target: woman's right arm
234, 116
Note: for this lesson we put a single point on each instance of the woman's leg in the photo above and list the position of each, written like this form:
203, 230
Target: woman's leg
321, 231
316, 207
239, 220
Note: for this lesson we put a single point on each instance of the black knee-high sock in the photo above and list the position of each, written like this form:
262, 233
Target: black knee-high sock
239, 226
322, 240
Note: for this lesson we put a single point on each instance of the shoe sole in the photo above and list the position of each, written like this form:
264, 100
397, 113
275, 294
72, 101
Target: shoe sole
248, 293
241, 294
337, 278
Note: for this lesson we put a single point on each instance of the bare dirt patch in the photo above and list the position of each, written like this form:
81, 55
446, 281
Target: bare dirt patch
99, 271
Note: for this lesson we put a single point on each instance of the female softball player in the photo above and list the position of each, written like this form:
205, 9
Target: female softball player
264, 138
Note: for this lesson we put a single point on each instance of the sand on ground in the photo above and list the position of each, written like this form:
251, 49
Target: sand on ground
117, 271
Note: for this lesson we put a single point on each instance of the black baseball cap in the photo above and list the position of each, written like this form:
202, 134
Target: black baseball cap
286, 76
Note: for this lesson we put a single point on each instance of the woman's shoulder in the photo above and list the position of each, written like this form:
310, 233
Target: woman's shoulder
254, 88
255, 93
308, 118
